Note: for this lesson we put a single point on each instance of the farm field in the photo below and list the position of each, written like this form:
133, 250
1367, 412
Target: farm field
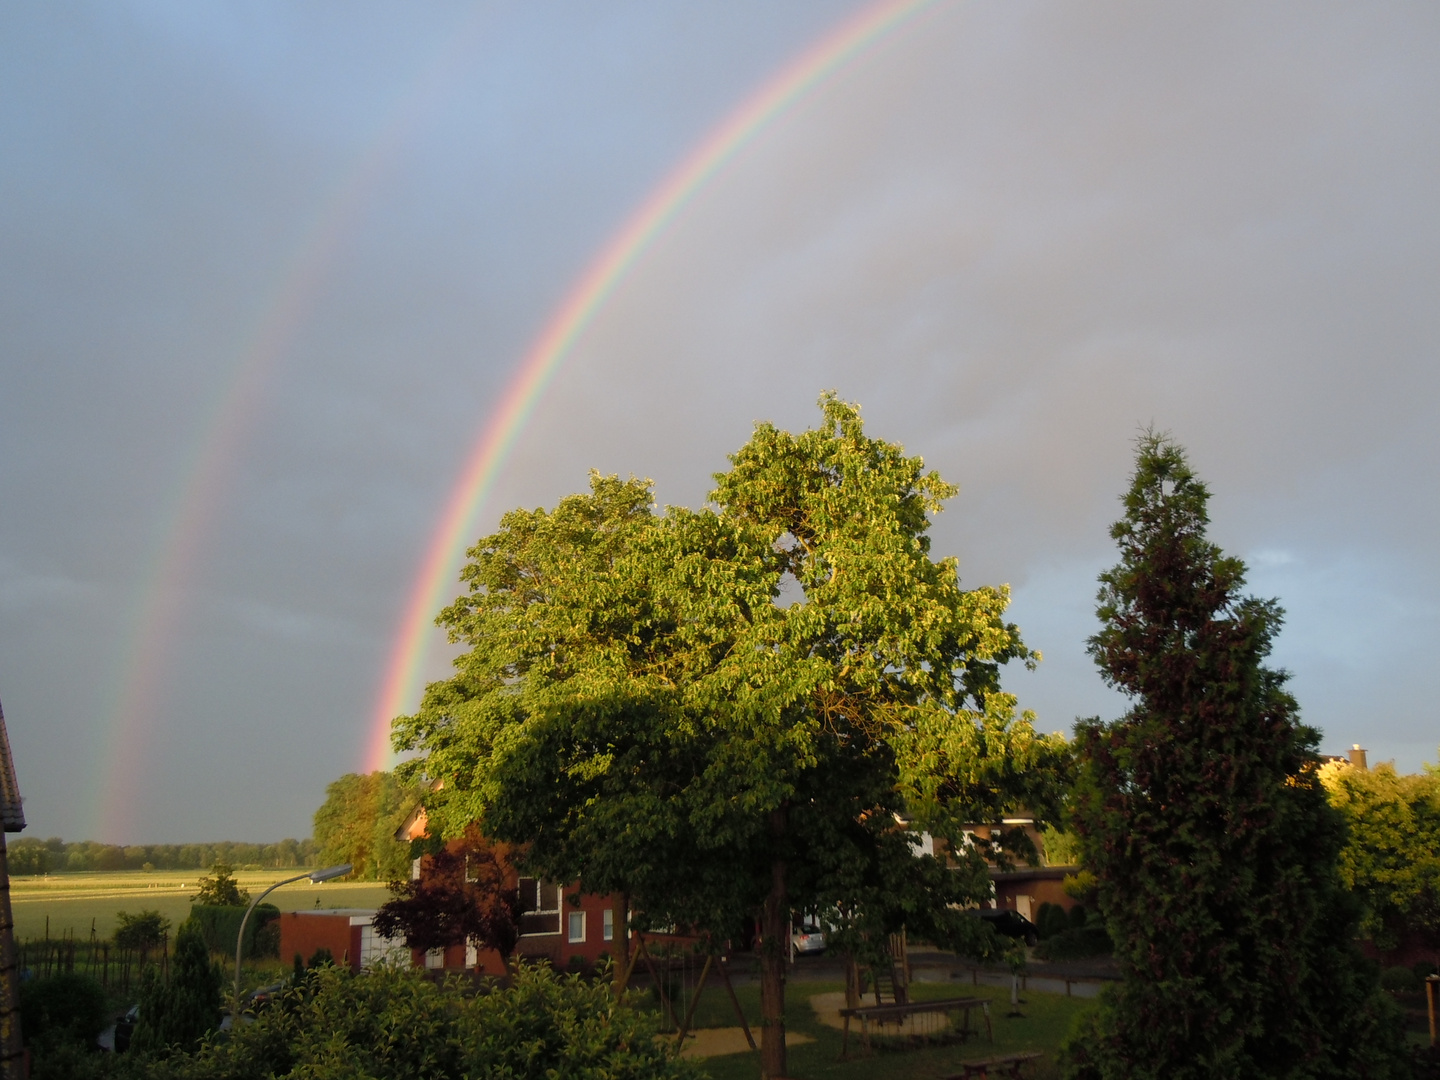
73, 901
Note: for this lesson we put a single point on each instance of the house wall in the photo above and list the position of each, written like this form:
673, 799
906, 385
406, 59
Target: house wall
1025, 890
584, 920
303, 932
559, 947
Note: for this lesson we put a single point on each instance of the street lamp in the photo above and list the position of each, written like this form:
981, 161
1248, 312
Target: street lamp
315, 876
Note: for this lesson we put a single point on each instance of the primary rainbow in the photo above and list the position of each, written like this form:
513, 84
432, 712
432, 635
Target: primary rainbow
400, 688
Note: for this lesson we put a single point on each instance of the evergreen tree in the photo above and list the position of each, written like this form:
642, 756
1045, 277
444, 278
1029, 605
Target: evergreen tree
1202, 816
178, 1013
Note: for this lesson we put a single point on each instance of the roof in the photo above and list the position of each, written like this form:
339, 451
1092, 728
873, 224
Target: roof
12, 810
416, 823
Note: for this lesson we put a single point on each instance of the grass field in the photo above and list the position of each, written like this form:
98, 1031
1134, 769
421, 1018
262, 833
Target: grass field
72, 902
1047, 1018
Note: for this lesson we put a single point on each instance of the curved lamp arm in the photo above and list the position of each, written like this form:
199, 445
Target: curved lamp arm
316, 876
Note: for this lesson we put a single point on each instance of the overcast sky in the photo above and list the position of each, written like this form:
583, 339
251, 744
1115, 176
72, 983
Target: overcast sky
266, 270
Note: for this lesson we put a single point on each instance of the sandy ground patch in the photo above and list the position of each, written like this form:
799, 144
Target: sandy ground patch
714, 1042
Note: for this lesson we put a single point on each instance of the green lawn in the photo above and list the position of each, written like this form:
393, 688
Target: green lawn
72, 901
1046, 1021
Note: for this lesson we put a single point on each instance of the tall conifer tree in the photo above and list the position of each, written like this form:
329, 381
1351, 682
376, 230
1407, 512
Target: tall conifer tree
1203, 819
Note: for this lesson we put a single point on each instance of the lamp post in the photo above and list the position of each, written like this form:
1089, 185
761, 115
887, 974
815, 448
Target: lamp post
315, 876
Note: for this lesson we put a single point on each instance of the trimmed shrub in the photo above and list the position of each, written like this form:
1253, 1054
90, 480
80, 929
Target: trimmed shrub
1076, 943
1399, 980
1051, 920
220, 926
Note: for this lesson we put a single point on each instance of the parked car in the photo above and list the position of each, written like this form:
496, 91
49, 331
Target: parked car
806, 938
1011, 923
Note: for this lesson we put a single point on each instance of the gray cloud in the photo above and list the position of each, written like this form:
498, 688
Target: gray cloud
1016, 233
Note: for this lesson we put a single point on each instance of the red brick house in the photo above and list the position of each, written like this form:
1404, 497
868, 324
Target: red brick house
561, 924
346, 932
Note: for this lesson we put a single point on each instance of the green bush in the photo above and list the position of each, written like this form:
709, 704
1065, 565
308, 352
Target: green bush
68, 1007
1076, 943
220, 926
1078, 915
176, 1014
1423, 969
1050, 920
1399, 980
391, 1022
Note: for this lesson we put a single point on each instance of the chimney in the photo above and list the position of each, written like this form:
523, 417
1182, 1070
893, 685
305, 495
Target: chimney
1357, 756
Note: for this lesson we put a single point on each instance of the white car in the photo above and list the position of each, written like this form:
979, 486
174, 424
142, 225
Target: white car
806, 938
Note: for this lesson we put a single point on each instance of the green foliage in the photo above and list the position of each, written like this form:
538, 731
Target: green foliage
395, 1023
84, 855
1206, 827
68, 1007
1050, 920
356, 824
176, 1014
1399, 980
144, 930
1076, 943
642, 704
28, 856
220, 928
1391, 858
220, 889
639, 704
1060, 848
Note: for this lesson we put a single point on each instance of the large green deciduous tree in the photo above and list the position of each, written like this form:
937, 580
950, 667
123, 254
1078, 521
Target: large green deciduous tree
1203, 818
1391, 860
357, 821
724, 712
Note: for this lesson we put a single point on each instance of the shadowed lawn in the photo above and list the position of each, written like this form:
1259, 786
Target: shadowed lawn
1046, 1021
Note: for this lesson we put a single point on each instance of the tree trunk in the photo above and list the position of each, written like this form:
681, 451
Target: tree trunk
622, 945
774, 946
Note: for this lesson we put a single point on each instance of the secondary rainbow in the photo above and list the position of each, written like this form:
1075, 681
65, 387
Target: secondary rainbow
162, 598
399, 688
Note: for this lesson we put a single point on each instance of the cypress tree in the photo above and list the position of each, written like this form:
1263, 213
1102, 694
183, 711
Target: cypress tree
1203, 819
178, 1014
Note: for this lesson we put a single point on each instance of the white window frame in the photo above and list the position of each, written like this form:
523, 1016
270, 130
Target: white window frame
540, 888
607, 924
570, 920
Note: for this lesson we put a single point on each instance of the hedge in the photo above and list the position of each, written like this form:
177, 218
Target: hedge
220, 926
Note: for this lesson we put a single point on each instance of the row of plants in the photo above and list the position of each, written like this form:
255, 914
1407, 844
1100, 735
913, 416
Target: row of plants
383, 1023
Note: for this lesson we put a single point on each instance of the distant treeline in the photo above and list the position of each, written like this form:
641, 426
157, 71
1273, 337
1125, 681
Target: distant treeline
54, 856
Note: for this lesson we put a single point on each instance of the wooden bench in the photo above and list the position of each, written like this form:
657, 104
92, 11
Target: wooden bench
1000, 1064
899, 1012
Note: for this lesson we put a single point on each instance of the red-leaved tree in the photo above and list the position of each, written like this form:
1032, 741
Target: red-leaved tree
460, 898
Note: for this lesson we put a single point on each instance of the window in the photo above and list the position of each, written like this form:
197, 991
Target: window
414, 869
577, 926
541, 902
607, 929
